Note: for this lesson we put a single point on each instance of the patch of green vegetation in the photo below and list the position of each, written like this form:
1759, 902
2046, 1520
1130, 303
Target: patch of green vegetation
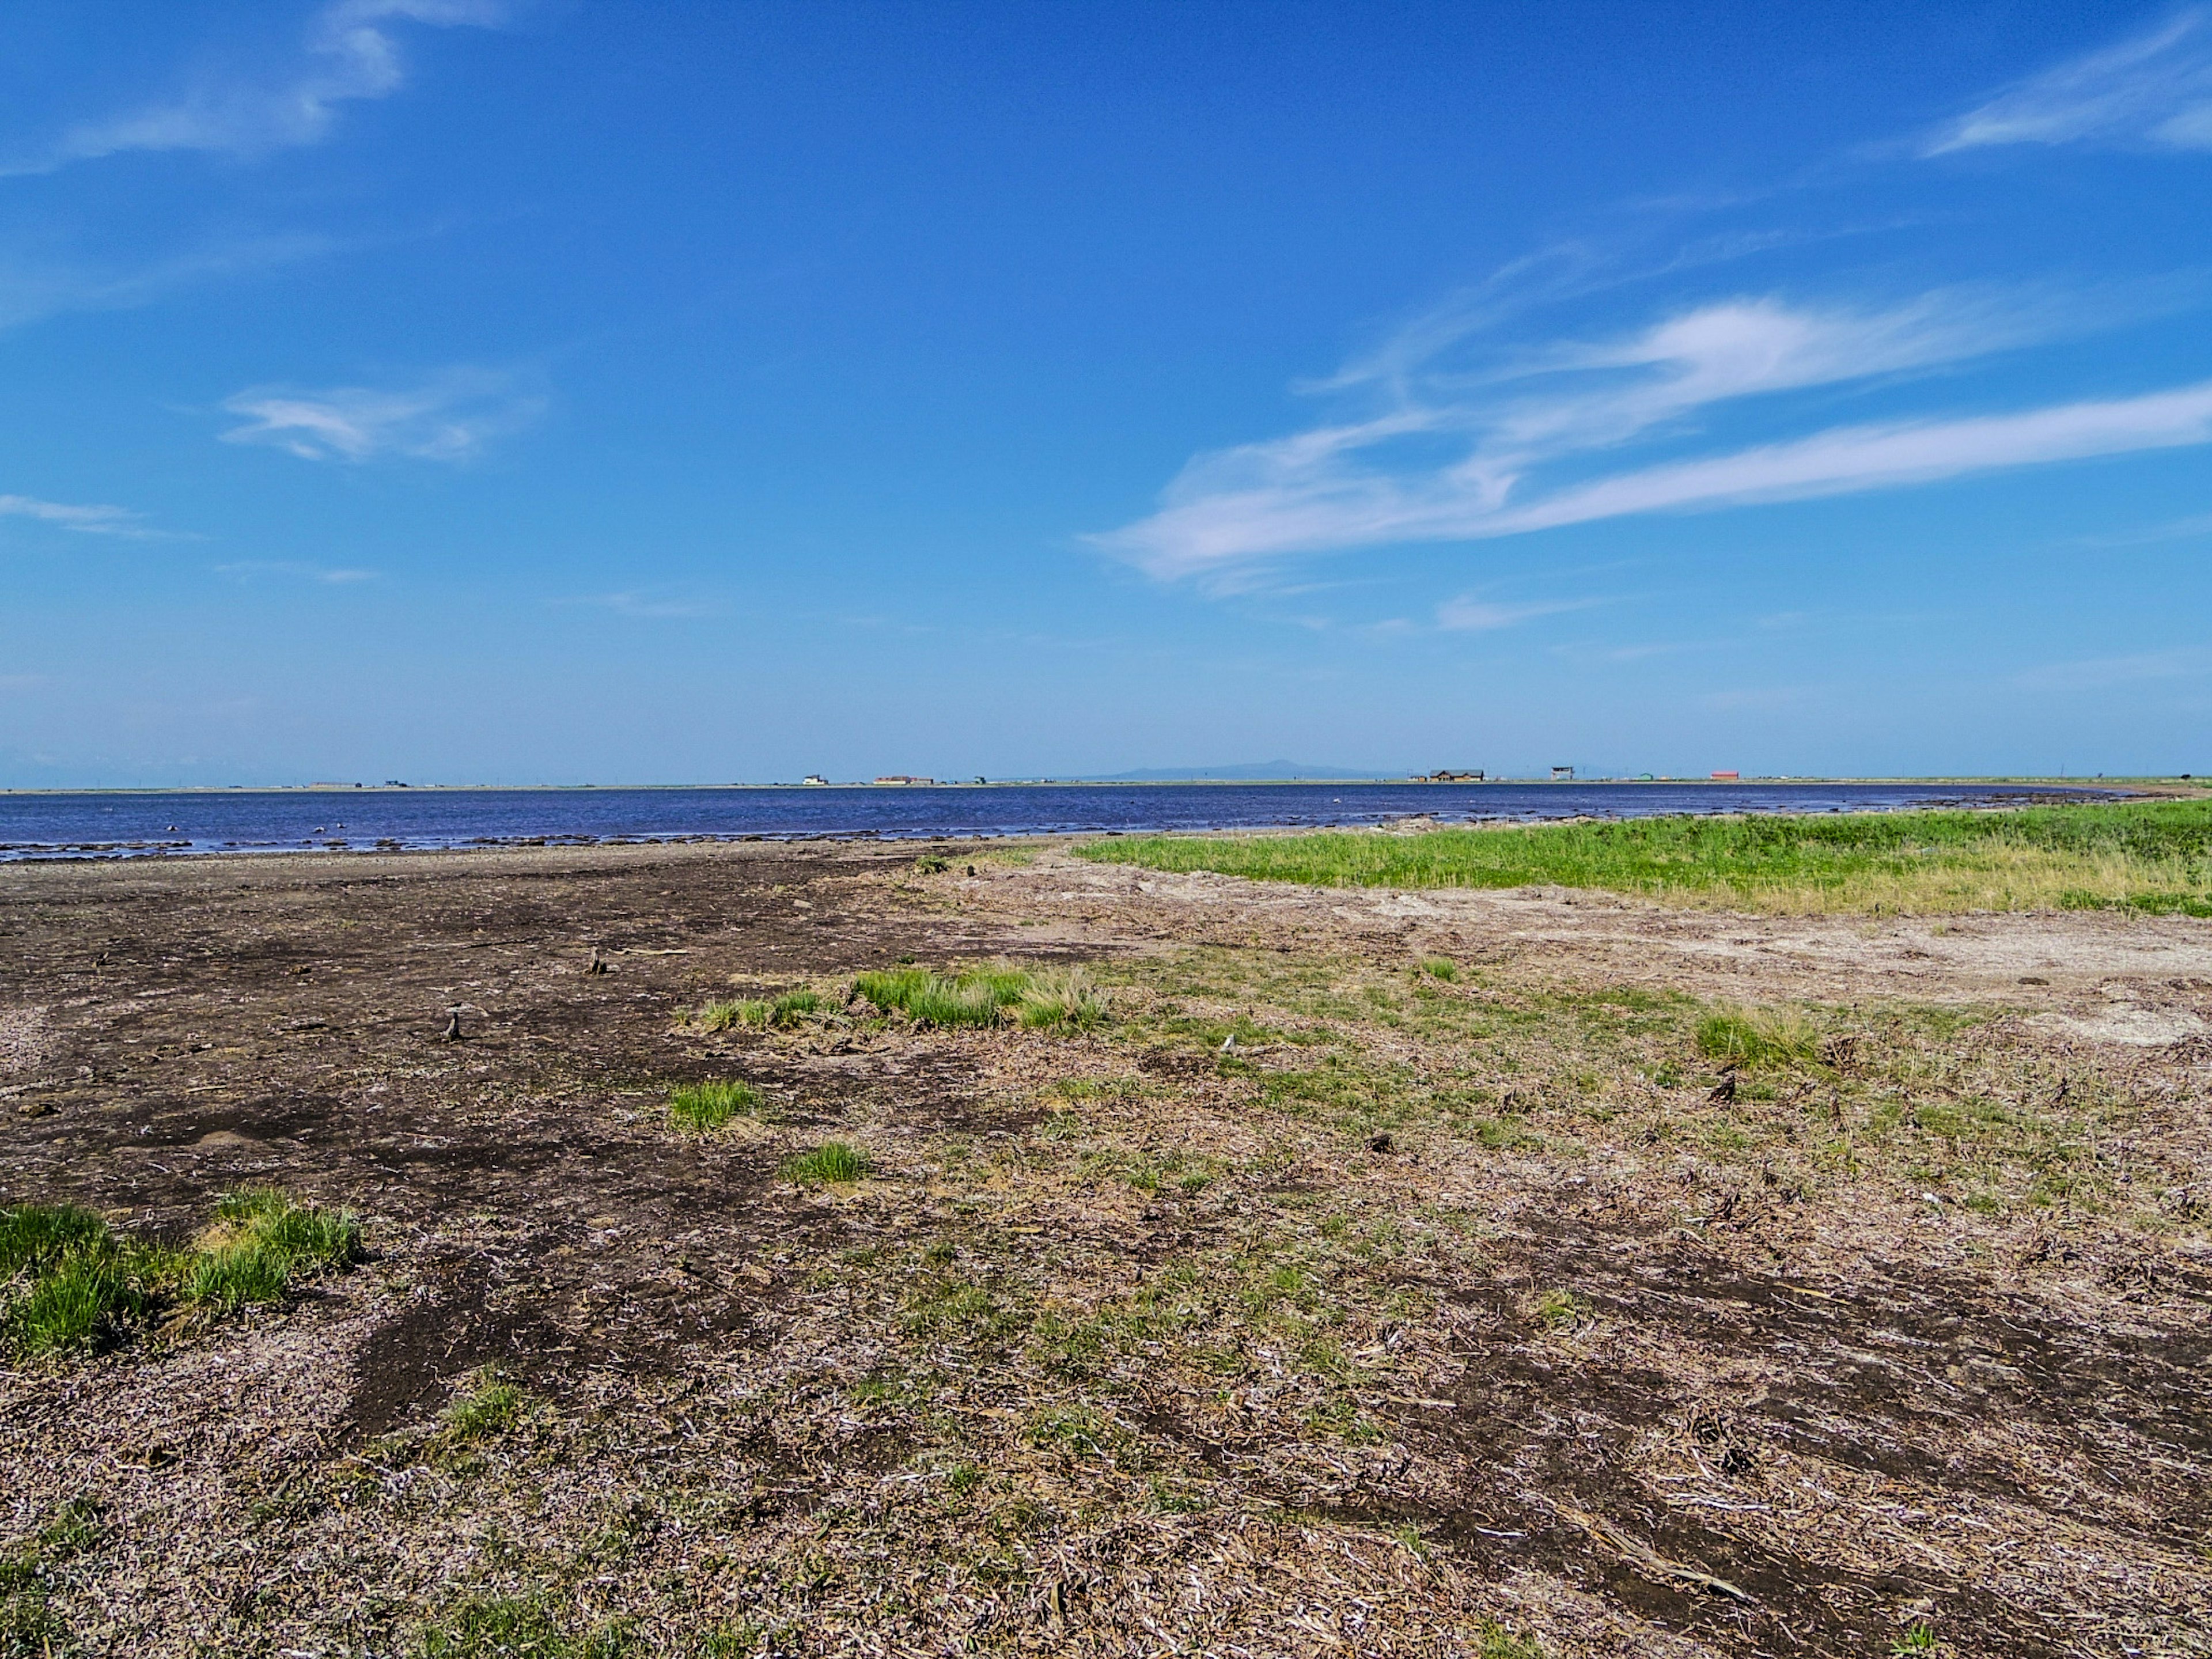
832, 1162
74, 1528
757, 1013
1915, 1641
710, 1105
927, 998
1049, 1000
736, 1641
261, 1240
1499, 1643
1061, 999
1758, 1038
491, 1407
1442, 967
73, 1285
2154, 856
29, 1628
1558, 1309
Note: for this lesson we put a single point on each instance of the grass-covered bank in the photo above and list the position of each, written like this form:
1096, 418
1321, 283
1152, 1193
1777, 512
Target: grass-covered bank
2153, 855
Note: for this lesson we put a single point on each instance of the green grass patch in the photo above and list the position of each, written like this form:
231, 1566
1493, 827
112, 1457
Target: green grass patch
831, 1163
1053, 1000
757, 1013
70, 1283
2154, 856
1499, 1643
261, 1240
711, 1105
491, 1407
1758, 1038
1061, 999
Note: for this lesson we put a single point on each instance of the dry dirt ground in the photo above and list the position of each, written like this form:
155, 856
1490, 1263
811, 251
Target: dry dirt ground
1317, 1302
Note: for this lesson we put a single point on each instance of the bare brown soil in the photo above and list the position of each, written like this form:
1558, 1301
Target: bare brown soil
1415, 1316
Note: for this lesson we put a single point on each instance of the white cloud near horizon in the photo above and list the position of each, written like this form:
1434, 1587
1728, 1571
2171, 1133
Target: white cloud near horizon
449, 417
2095, 672
1468, 615
1448, 452
352, 56
292, 568
2152, 91
85, 520
644, 606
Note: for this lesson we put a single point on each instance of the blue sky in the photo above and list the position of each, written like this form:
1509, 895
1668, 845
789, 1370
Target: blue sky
470, 391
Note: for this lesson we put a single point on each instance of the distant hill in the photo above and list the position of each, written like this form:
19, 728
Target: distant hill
1244, 773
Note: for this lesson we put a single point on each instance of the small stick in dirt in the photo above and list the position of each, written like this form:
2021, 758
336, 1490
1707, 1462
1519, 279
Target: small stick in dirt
1641, 1555
453, 1025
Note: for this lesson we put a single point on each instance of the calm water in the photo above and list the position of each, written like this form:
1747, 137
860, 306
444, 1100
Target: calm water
123, 825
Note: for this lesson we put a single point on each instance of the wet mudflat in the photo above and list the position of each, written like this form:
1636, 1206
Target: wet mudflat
1382, 1274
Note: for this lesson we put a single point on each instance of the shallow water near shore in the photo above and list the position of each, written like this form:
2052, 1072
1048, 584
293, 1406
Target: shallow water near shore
132, 824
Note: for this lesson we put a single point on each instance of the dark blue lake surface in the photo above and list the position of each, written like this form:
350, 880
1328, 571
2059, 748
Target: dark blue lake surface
107, 824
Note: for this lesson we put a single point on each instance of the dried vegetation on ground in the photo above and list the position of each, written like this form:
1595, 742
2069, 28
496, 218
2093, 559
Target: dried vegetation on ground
1496, 1274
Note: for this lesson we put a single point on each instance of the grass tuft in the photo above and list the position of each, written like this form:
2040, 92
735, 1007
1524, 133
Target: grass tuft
711, 1105
1055, 999
261, 1240
833, 1161
72, 1285
31, 1234
1061, 999
491, 1407
757, 1013
1758, 1038
1499, 1643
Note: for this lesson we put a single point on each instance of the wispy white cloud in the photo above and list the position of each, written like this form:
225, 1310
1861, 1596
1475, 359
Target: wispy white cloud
449, 417
2091, 673
644, 606
314, 573
87, 520
2174, 530
1873, 457
1468, 615
2153, 91
30, 290
1448, 450
350, 54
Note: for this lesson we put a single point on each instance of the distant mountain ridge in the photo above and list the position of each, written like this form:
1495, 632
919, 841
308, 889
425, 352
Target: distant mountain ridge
1250, 772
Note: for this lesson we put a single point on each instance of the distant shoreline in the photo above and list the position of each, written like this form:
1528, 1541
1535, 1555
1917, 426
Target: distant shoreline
2180, 782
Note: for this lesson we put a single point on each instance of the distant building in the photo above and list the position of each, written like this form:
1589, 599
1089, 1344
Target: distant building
1448, 776
901, 777
1563, 775
1726, 777
817, 779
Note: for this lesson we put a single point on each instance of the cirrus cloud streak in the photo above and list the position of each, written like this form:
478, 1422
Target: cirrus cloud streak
352, 56
450, 417
1549, 436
